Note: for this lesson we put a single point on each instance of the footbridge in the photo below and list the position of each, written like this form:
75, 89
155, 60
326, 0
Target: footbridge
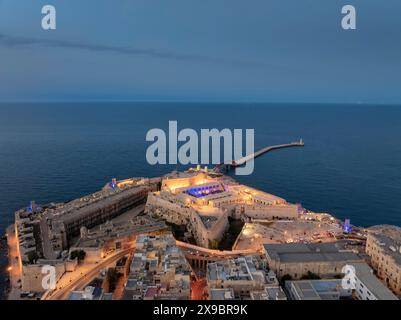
199, 257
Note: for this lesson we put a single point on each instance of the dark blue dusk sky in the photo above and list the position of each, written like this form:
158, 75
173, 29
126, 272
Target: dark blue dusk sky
202, 50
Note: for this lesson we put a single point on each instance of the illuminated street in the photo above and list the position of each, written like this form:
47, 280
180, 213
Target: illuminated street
199, 289
13, 269
86, 274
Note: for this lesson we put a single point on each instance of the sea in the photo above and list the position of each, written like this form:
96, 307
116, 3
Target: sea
350, 165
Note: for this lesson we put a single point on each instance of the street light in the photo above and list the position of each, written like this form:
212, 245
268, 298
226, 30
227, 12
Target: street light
9, 269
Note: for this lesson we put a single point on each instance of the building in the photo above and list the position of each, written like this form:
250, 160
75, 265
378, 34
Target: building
112, 236
365, 284
206, 226
32, 275
46, 233
297, 259
158, 271
66, 221
204, 202
317, 290
89, 293
383, 245
257, 233
269, 212
221, 294
244, 275
269, 293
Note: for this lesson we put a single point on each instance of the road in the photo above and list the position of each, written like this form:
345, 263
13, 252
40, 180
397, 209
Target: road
14, 264
65, 291
119, 291
198, 289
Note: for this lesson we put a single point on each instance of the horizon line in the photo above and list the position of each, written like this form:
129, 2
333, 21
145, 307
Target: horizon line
194, 101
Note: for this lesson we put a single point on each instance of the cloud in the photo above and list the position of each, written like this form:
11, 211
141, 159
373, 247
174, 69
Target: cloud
16, 41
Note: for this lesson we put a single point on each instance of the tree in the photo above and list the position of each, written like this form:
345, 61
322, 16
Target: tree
80, 254
214, 244
112, 277
310, 276
32, 257
285, 278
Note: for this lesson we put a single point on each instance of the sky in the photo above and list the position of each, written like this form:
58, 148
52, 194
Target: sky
201, 50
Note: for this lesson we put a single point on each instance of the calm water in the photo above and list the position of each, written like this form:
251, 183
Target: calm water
350, 166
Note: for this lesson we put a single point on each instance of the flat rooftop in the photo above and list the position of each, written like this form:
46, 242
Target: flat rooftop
316, 289
316, 252
64, 214
237, 269
366, 276
389, 238
222, 294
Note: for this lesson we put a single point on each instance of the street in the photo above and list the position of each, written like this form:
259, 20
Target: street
65, 288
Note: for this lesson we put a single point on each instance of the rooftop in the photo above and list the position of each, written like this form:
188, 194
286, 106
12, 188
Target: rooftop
238, 269
316, 252
366, 276
389, 238
222, 294
317, 289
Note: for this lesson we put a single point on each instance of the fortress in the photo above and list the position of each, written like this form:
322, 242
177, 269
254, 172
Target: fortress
203, 201
45, 232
